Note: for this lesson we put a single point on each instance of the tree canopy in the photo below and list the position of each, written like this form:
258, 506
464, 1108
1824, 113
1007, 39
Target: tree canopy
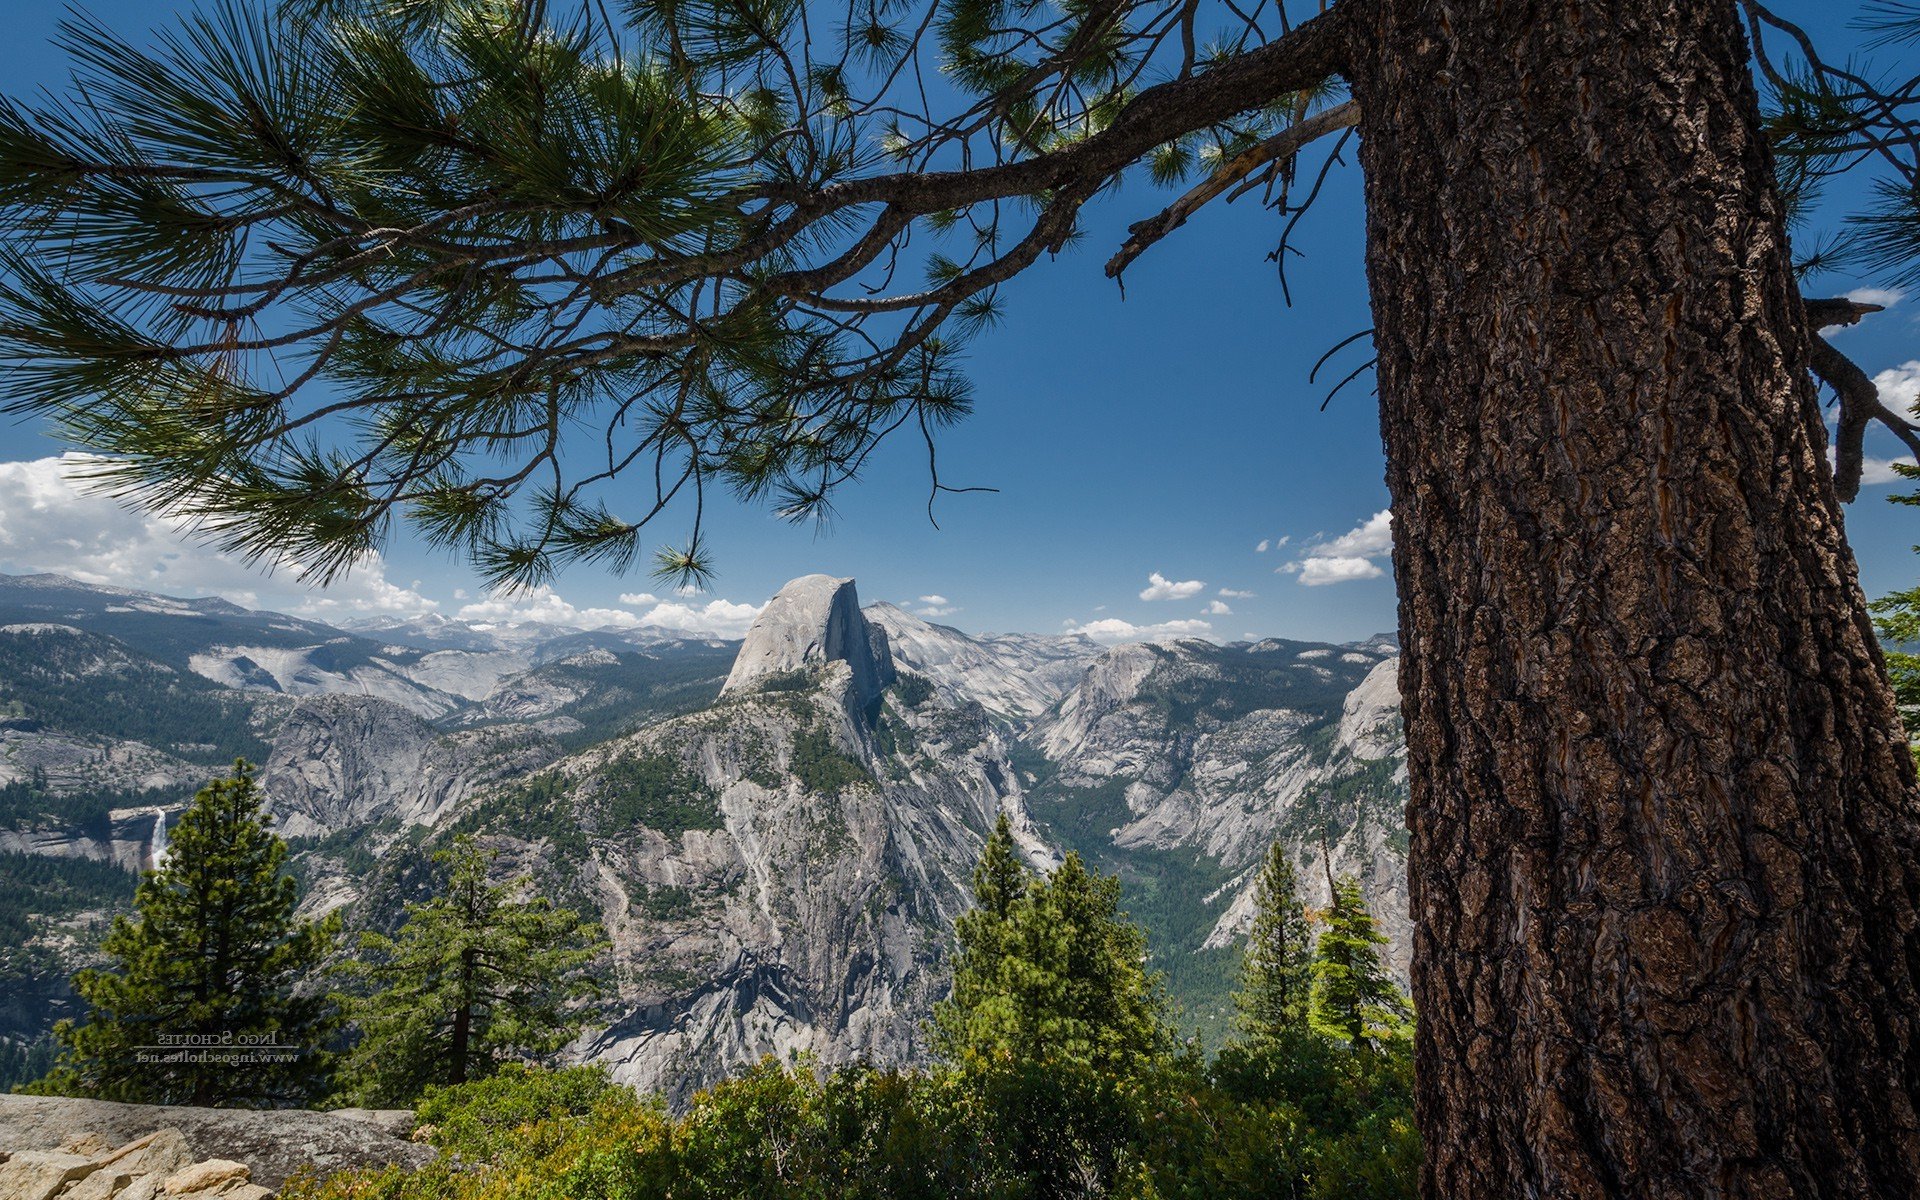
199, 1003
479, 975
1276, 967
1353, 996
301, 270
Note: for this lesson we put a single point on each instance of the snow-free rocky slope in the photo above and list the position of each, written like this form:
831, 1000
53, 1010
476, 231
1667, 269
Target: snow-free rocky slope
779, 861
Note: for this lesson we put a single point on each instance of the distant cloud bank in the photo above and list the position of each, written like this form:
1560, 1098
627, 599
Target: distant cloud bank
52, 521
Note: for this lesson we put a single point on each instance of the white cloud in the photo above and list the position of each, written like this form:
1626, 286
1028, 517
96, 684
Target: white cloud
1899, 386
1319, 570
545, 606
1159, 587
1347, 558
716, 618
1371, 537
1880, 470
1111, 630
51, 521
365, 592
935, 606
1875, 471
1231, 594
1217, 608
1884, 297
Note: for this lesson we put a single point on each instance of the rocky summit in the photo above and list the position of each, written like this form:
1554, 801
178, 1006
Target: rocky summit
812, 621
777, 834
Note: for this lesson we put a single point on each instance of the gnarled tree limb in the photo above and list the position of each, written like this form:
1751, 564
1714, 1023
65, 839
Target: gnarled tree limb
1285, 144
1860, 403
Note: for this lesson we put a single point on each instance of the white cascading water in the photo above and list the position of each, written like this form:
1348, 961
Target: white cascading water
158, 848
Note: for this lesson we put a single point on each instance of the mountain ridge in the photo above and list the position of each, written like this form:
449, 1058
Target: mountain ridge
778, 849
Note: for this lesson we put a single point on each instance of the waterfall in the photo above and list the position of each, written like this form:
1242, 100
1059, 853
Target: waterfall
157, 849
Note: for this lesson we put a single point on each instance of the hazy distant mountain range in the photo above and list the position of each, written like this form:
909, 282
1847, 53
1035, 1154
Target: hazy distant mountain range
777, 833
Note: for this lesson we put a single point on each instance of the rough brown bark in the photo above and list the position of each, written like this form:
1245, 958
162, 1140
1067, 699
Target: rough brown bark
1664, 826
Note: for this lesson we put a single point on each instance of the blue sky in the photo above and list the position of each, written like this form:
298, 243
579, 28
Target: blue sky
1168, 434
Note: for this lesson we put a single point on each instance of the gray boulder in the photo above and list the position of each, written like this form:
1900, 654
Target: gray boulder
158, 1140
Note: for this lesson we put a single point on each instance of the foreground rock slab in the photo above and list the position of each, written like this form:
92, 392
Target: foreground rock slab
56, 1148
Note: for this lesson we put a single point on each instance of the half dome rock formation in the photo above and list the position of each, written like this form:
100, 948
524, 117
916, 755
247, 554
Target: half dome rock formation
814, 620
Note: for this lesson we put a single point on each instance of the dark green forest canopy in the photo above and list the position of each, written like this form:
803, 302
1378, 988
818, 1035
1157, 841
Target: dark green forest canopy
305, 270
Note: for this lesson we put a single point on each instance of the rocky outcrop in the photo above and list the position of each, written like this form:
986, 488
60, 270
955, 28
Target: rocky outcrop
339, 667
812, 911
345, 761
813, 621
1016, 676
131, 838
72, 763
1094, 737
1221, 751
1370, 717
57, 1148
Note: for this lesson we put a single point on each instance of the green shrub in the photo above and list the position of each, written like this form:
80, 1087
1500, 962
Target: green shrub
663, 903
1378, 1160
657, 792
493, 1118
525, 1135
535, 809
1334, 1085
913, 690
821, 767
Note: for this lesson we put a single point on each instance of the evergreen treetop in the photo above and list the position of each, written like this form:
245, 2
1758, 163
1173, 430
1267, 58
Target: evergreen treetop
1049, 967
483, 973
1354, 998
1276, 968
210, 965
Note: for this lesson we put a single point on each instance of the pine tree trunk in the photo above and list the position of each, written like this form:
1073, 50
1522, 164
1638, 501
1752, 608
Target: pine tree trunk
463, 1017
1665, 846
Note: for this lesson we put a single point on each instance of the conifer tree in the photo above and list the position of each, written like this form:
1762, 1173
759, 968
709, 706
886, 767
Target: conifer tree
1354, 998
1276, 968
983, 936
481, 974
1048, 967
1054, 1024
308, 272
201, 1003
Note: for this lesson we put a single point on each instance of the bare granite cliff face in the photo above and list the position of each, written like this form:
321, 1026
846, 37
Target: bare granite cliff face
1014, 676
1217, 752
813, 620
808, 907
340, 762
